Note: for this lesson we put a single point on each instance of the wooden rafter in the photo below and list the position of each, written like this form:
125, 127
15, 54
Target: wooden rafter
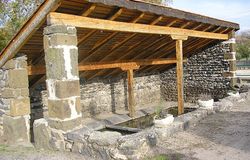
112, 51
140, 53
86, 12
103, 41
25, 33
169, 48
92, 23
112, 17
191, 43
89, 9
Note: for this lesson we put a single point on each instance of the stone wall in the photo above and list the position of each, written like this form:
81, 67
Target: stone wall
105, 95
203, 75
99, 95
14, 101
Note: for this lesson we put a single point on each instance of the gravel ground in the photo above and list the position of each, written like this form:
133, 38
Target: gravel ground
222, 136
29, 153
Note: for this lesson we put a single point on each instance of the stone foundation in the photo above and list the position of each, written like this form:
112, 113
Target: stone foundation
97, 144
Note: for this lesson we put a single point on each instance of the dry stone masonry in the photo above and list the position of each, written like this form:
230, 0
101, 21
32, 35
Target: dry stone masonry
203, 74
14, 101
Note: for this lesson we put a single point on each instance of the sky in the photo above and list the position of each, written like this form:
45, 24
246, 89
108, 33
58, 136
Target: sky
231, 10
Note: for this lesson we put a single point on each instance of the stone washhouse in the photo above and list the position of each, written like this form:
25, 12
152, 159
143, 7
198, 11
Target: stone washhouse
78, 60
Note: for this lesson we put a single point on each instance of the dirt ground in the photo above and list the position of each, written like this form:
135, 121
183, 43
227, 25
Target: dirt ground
222, 136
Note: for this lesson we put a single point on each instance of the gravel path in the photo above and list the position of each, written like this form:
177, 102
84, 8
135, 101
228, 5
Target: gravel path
222, 136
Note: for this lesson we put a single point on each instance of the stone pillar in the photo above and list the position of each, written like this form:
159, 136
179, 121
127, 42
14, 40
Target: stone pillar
63, 86
231, 58
14, 101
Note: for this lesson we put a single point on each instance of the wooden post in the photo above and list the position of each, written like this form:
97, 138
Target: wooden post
179, 71
131, 98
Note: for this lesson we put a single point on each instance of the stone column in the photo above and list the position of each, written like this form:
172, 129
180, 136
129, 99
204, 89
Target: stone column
61, 58
14, 101
231, 58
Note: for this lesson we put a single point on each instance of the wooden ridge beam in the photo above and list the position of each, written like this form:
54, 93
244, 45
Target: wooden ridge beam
124, 65
99, 24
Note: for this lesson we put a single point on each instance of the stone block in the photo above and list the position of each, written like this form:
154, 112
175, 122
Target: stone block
66, 89
60, 29
16, 129
228, 74
25, 92
105, 138
232, 66
46, 137
229, 56
67, 125
10, 64
17, 78
232, 47
78, 135
54, 40
64, 108
42, 134
16, 63
57, 65
10, 93
19, 107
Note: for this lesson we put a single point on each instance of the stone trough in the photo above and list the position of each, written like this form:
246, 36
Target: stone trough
93, 140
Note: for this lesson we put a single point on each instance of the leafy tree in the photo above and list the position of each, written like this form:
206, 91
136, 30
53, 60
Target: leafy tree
243, 45
13, 13
243, 51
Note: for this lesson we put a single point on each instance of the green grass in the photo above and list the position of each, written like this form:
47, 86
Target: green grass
3, 148
158, 157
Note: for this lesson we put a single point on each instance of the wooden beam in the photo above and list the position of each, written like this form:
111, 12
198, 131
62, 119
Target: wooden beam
173, 46
37, 70
179, 72
131, 49
106, 39
131, 96
113, 49
92, 23
90, 9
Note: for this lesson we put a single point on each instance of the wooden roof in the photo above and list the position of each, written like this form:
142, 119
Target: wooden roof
104, 46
